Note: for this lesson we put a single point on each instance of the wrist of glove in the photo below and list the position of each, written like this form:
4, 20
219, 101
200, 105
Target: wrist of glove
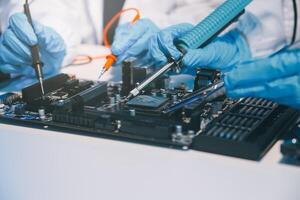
15, 44
276, 78
222, 54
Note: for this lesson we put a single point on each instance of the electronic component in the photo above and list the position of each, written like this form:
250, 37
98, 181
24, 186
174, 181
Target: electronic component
290, 148
78, 101
204, 120
147, 101
205, 77
291, 151
208, 94
2, 109
133, 75
42, 113
33, 93
9, 98
243, 127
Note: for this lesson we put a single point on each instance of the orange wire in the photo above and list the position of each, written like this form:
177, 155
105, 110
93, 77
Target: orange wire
114, 19
87, 59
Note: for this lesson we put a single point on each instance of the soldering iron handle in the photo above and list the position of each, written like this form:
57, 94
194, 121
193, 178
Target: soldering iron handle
35, 55
212, 25
34, 49
27, 13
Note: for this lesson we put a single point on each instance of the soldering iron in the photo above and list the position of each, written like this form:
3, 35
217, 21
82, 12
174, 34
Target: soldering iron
200, 36
36, 61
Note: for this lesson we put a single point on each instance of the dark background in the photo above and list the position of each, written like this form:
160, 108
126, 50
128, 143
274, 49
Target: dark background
111, 7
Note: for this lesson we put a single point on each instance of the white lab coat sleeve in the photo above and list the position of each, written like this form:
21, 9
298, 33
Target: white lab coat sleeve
165, 13
292, 22
265, 27
156, 11
65, 17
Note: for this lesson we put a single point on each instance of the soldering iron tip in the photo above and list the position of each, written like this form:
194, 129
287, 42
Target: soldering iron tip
42, 86
101, 74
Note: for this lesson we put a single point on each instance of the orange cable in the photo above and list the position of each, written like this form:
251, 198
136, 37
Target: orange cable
87, 59
114, 19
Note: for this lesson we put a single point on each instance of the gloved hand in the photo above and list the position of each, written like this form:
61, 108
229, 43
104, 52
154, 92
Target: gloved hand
161, 46
222, 54
15, 43
276, 78
145, 42
131, 39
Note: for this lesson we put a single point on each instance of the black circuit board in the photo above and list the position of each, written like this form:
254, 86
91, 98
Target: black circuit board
245, 128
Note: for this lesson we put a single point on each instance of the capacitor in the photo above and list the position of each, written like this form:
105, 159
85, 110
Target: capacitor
112, 100
2, 109
154, 94
174, 98
178, 129
61, 102
118, 125
19, 109
13, 108
132, 112
191, 133
118, 97
42, 113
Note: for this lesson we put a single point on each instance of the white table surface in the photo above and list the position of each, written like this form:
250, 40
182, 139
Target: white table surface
46, 165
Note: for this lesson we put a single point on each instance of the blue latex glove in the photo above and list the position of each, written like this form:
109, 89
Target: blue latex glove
145, 42
15, 55
161, 46
276, 78
222, 54
131, 39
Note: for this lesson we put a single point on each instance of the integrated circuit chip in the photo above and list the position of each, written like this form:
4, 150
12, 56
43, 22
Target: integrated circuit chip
147, 101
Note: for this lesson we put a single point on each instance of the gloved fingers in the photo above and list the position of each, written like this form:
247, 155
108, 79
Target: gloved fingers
49, 70
137, 49
161, 46
123, 39
292, 101
214, 56
264, 70
11, 41
23, 30
49, 39
9, 69
158, 57
222, 54
24, 70
165, 39
188, 71
284, 87
128, 34
195, 58
7, 56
